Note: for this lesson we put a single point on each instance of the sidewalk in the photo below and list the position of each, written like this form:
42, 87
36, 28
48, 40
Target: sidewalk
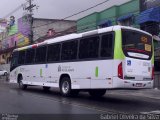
149, 93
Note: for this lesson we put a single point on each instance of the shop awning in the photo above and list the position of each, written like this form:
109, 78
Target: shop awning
150, 15
125, 17
105, 23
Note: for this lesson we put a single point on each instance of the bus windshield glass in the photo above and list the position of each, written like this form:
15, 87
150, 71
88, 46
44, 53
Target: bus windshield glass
136, 42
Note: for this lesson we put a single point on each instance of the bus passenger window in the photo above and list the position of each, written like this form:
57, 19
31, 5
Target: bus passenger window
106, 45
40, 54
69, 50
89, 48
14, 60
53, 53
21, 57
30, 55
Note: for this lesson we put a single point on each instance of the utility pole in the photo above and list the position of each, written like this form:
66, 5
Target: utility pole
30, 9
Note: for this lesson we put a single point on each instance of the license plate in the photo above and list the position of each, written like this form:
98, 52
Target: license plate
138, 84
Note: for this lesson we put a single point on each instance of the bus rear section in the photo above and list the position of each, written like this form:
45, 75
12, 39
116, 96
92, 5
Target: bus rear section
135, 66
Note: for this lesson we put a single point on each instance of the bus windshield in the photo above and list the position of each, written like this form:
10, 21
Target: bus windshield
136, 42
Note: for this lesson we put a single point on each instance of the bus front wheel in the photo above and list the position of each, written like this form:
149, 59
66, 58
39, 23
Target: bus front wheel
97, 93
21, 85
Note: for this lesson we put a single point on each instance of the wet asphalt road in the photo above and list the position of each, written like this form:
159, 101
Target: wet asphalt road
35, 101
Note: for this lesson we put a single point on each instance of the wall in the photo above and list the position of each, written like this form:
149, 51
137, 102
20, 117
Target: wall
130, 7
109, 14
14, 36
46, 24
87, 23
23, 31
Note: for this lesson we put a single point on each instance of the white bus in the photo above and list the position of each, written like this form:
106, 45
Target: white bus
116, 57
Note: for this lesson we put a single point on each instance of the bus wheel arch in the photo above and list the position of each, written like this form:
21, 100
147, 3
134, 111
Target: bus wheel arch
20, 82
63, 76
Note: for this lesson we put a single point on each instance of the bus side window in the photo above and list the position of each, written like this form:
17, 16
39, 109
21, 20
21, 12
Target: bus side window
89, 48
30, 56
14, 60
69, 50
107, 45
21, 57
41, 54
53, 53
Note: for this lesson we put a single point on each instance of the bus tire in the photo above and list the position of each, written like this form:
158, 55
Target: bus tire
46, 88
97, 93
21, 85
65, 87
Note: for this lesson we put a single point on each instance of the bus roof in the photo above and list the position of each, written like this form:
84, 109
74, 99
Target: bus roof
80, 35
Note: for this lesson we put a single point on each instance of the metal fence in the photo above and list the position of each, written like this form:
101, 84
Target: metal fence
157, 80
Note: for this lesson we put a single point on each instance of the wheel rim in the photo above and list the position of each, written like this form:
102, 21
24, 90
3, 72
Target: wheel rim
65, 87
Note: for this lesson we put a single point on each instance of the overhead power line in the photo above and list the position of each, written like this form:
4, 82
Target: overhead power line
74, 14
86, 9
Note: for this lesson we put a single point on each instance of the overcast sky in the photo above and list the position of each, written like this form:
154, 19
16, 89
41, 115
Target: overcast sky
56, 9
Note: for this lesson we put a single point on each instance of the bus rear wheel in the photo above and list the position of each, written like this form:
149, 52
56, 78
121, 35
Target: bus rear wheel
97, 93
65, 87
21, 85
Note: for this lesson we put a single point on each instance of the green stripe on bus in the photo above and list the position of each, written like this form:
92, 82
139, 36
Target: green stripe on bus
118, 53
40, 72
96, 72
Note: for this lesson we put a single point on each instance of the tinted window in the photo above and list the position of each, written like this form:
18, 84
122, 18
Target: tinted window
21, 57
30, 55
41, 54
14, 60
69, 50
107, 45
53, 53
89, 48
136, 42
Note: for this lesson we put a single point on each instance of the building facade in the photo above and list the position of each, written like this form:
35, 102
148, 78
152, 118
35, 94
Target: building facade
19, 34
125, 14
48, 28
14, 35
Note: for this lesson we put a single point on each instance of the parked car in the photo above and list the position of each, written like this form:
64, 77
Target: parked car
3, 73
